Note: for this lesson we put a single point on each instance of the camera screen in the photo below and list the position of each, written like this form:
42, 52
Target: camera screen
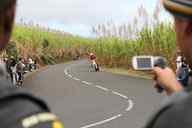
144, 62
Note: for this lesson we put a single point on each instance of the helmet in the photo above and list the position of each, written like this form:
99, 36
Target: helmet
179, 8
91, 54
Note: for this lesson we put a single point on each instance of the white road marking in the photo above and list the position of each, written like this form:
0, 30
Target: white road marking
131, 104
119, 94
66, 72
87, 83
102, 88
102, 122
70, 76
77, 79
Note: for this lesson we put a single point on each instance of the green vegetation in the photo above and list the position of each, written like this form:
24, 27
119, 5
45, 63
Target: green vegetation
46, 47
114, 46
159, 41
54, 47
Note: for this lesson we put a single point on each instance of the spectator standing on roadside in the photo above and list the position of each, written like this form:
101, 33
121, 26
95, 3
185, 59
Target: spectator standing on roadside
11, 66
182, 72
31, 63
20, 69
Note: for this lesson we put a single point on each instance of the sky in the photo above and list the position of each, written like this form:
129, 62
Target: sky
78, 16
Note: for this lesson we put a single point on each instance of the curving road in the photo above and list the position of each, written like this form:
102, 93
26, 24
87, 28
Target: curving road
85, 99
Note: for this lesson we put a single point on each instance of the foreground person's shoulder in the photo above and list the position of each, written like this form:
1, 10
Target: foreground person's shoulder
179, 115
21, 109
174, 113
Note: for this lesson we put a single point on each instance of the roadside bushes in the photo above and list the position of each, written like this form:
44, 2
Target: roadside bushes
157, 41
47, 47
55, 47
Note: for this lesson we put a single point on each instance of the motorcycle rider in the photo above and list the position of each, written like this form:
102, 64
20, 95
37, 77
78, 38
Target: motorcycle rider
92, 58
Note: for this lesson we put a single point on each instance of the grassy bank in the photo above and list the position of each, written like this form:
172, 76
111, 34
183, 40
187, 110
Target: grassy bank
47, 47
157, 41
55, 47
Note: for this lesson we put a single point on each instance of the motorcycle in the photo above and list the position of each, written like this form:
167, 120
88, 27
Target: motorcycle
95, 66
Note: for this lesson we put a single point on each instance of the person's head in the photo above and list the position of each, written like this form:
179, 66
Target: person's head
91, 54
7, 14
21, 60
182, 12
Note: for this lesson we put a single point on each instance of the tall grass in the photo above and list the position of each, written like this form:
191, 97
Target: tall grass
114, 47
46, 47
150, 36
116, 52
51, 47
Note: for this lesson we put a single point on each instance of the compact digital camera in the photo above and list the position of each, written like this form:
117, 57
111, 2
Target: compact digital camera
144, 63
148, 62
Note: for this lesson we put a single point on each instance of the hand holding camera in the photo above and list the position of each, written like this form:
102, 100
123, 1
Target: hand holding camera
164, 77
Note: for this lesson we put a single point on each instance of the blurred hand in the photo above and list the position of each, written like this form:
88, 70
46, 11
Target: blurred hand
167, 80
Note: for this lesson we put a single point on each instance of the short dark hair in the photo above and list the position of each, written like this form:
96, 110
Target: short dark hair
7, 14
6, 4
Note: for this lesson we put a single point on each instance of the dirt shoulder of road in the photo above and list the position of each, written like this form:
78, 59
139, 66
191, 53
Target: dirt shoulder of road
132, 73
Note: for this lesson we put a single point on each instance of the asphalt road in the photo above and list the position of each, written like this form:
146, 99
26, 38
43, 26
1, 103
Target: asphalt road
84, 99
